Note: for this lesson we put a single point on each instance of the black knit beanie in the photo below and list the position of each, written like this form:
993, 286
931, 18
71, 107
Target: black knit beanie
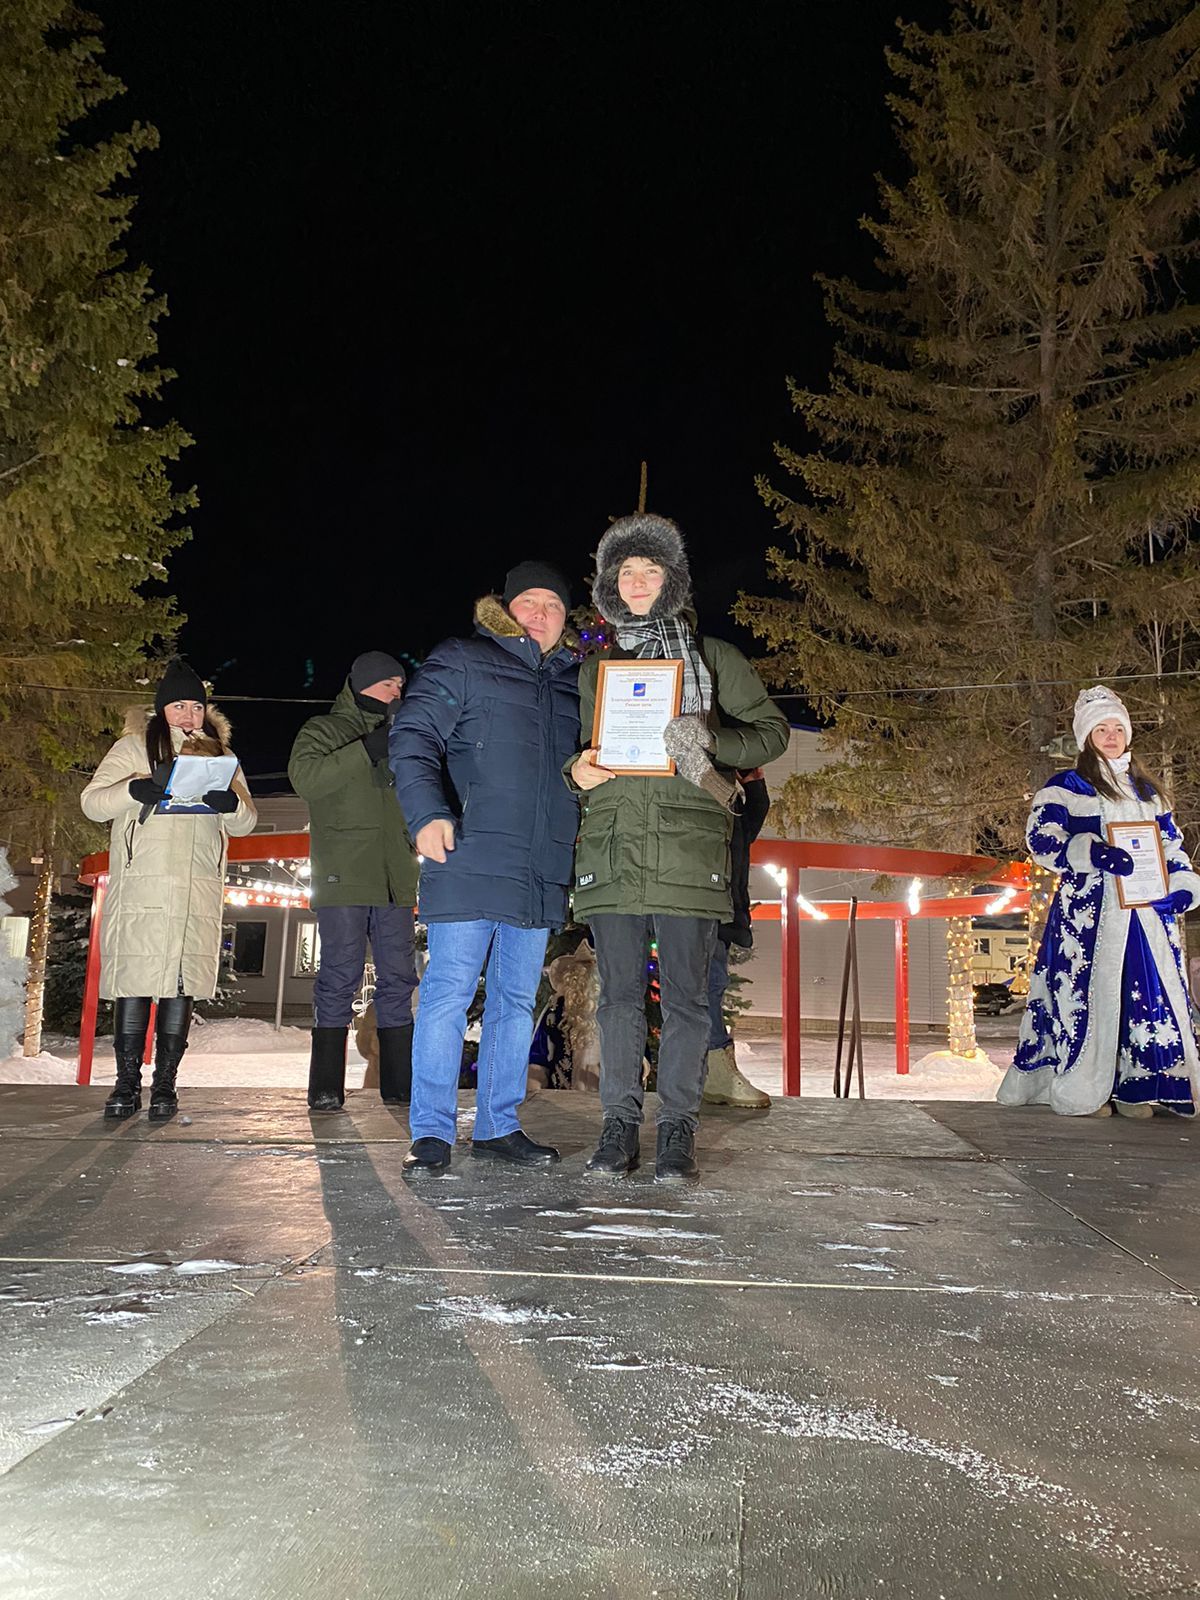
373, 666
179, 682
536, 575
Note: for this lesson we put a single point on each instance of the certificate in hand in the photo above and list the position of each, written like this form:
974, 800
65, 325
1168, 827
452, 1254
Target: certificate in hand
634, 702
191, 778
1148, 880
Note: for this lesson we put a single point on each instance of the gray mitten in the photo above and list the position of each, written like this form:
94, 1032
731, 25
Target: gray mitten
688, 741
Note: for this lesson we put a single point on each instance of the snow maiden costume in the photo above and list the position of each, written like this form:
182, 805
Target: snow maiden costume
1108, 1014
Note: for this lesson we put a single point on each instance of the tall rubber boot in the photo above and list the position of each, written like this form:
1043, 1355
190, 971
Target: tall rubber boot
126, 1097
395, 1065
327, 1070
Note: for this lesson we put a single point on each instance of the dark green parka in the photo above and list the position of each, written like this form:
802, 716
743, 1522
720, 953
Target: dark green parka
661, 844
361, 852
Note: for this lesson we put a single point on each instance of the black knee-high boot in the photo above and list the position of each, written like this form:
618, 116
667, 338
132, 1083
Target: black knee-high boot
327, 1070
395, 1065
132, 1018
171, 1031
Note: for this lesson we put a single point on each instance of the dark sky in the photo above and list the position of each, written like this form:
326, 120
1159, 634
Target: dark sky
441, 274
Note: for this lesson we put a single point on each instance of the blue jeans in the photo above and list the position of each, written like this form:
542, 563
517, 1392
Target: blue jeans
457, 952
718, 981
345, 932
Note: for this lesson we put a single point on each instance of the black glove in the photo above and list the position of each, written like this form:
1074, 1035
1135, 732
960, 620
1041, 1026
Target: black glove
221, 800
1111, 858
376, 743
146, 792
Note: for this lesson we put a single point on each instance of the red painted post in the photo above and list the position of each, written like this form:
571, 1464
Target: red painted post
902, 996
790, 917
91, 984
148, 1056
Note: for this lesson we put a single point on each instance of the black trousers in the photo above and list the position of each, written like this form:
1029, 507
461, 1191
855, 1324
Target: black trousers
132, 1018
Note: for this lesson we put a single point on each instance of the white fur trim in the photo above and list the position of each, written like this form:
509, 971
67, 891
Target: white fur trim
1079, 852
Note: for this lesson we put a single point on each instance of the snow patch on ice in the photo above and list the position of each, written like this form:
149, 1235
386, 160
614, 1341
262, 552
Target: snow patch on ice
632, 1464
1153, 1405
476, 1308
632, 1211
631, 1230
196, 1269
1085, 1527
864, 1249
870, 1266
139, 1268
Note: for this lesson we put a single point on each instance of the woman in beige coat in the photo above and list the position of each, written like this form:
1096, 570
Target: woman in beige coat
160, 938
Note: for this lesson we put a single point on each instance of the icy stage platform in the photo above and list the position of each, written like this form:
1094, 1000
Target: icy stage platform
886, 1349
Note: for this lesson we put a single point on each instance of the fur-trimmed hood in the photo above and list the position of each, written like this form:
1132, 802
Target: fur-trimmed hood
137, 719
491, 613
657, 539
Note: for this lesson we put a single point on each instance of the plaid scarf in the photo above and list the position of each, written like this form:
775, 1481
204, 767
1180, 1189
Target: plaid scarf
670, 639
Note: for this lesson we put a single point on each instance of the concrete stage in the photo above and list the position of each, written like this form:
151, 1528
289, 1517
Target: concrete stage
885, 1349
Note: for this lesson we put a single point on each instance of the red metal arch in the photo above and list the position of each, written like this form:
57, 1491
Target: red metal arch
790, 855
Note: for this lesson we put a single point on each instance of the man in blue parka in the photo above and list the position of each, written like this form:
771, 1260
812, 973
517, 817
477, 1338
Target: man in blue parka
477, 750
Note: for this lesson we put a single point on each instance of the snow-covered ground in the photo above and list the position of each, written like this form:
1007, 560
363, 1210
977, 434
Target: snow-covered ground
246, 1052
231, 1051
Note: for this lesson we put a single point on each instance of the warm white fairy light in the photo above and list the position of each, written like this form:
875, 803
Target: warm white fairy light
811, 910
914, 896
995, 907
960, 989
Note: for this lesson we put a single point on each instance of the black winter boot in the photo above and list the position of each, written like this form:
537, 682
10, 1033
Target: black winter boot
617, 1153
675, 1160
126, 1097
168, 1053
327, 1069
395, 1065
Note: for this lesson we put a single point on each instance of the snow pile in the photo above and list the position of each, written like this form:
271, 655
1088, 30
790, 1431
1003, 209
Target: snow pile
239, 1036
12, 973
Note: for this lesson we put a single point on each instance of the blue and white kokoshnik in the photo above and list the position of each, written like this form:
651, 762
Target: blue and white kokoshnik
1108, 1010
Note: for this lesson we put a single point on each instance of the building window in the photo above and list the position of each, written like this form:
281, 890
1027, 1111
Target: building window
249, 948
308, 951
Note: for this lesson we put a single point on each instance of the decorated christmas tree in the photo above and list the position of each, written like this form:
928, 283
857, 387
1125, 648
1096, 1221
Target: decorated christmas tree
12, 973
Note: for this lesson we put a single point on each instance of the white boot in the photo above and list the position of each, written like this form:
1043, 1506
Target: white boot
724, 1085
1134, 1108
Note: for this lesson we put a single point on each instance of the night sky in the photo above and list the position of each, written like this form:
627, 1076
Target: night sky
440, 275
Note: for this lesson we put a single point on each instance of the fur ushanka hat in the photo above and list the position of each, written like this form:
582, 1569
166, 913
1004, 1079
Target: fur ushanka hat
656, 539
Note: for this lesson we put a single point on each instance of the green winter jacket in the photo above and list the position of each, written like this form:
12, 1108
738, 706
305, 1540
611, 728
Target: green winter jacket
361, 852
661, 845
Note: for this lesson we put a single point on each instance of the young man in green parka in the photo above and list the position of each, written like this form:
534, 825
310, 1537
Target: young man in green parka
653, 858
364, 879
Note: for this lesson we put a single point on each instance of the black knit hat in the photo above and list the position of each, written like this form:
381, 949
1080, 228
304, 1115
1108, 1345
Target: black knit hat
179, 682
373, 666
536, 575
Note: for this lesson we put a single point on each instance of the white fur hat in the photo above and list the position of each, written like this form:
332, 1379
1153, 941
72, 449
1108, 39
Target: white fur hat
1095, 706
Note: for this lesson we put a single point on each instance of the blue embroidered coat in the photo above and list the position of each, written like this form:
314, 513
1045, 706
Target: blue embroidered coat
1108, 1010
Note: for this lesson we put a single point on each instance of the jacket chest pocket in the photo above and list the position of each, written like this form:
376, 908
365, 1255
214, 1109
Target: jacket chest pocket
594, 851
692, 845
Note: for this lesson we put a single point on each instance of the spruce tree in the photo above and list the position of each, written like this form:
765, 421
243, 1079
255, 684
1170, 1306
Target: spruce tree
87, 507
998, 486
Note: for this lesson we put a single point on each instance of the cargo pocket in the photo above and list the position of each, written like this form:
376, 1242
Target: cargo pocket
693, 845
594, 852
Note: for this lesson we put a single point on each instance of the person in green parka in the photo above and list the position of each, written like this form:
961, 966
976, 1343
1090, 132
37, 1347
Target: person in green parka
653, 857
364, 879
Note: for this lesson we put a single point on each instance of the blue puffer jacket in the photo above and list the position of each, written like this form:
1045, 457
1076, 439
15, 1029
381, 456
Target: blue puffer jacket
480, 739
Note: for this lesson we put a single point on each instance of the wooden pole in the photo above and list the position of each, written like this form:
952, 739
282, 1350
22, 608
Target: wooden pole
642, 490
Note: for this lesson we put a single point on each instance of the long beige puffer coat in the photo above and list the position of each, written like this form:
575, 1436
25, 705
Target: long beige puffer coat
162, 915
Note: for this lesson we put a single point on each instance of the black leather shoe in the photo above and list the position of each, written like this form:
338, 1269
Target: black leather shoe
516, 1147
617, 1153
427, 1158
126, 1097
675, 1159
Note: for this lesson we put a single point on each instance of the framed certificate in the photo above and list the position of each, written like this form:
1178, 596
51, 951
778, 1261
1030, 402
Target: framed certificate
1148, 880
634, 702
